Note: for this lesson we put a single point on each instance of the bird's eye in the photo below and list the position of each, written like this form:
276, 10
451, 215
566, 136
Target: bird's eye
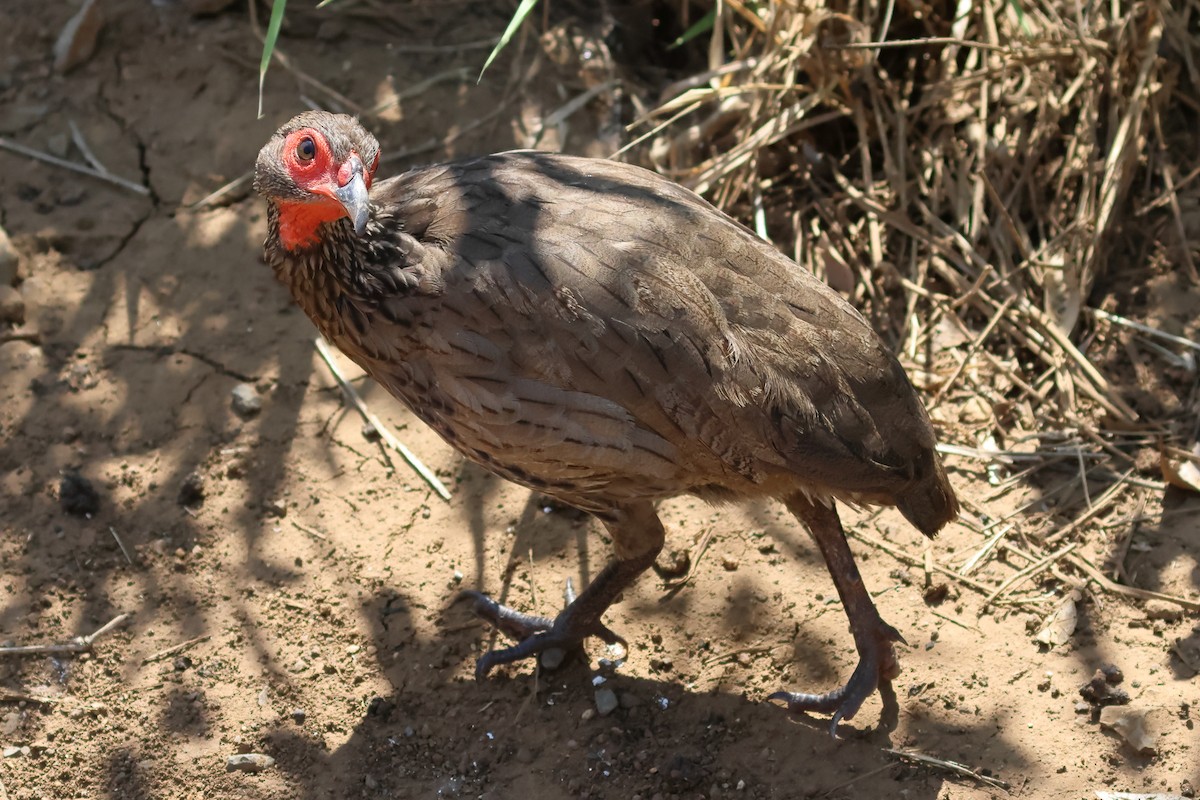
306, 150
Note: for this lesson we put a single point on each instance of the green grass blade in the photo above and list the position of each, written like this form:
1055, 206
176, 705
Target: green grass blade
1015, 5
702, 25
514, 25
269, 46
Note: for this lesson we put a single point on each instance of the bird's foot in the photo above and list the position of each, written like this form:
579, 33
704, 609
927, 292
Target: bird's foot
550, 640
877, 667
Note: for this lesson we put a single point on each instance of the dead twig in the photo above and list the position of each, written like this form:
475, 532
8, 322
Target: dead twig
121, 544
85, 151
384, 433
1025, 574
29, 152
969, 565
1122, 550
234, 185
918, 561
1102, 502
950, 766
313, 533
444, 141
80, 644
858, 778
175, 649
12, 696
1089, 569
730, 654
1146, 329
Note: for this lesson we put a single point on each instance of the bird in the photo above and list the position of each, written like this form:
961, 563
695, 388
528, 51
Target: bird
600, 334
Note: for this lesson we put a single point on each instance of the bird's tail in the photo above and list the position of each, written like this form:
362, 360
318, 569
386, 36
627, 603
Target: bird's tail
930, 503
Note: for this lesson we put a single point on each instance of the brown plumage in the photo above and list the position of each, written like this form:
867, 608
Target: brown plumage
592, 330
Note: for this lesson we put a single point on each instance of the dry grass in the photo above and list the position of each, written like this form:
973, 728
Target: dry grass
990, 182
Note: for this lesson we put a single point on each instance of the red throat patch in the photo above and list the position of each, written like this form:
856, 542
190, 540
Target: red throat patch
298, 222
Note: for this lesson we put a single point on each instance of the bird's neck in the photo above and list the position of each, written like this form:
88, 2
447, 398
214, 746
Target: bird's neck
299, 222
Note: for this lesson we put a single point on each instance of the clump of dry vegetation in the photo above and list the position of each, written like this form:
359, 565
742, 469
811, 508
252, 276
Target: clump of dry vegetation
974, 164
1009, 189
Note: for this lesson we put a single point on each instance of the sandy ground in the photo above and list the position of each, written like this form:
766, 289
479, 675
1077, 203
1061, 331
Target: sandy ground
298, 602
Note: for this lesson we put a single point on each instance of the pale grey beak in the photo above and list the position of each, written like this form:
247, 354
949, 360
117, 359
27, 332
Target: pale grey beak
352, 193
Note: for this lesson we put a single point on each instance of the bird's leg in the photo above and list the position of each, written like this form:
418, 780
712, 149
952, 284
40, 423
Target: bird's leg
874, 638
637, 538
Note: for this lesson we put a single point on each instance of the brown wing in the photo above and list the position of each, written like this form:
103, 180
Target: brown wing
594, 318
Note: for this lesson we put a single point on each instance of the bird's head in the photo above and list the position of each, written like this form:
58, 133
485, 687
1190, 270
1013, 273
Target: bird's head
317, 168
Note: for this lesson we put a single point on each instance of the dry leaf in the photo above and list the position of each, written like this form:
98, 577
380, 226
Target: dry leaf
1064, 293
1188, 651
1136, 726
948, 334
1181, 472
838, 273
1061, 624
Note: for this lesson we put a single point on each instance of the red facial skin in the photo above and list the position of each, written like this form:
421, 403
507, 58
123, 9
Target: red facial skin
321, 176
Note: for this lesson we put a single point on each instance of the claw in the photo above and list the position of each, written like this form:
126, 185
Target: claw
877, 666
552, 641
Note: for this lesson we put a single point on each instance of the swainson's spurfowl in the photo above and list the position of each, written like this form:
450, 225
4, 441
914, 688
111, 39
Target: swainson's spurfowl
594, 331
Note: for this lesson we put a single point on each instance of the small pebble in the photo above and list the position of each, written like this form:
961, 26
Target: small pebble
606, 701
674, 564
249, 762
246, 400
298, 716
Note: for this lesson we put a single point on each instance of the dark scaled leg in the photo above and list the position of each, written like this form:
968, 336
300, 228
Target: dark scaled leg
874, 638
637, 538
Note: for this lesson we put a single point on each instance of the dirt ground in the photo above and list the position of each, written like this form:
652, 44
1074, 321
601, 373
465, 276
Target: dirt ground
298, 602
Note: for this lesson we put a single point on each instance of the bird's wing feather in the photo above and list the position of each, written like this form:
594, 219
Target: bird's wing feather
634, 315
